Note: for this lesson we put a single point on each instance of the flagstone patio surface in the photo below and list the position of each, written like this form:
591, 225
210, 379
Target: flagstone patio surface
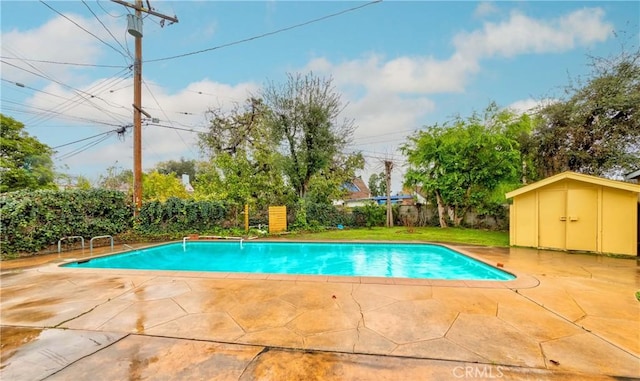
567, 316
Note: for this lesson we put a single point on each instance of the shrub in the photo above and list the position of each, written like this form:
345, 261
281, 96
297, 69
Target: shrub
181, 216
34, 220
370, 215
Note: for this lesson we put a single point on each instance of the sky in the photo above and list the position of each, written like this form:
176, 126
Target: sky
398, 65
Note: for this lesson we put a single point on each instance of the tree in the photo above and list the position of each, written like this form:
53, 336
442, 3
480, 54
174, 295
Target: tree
328, 184
377, 184
304, 120
159, 187
462, 162
117, 178
66, 181
25, 162
178, 168
596, 130
244, 166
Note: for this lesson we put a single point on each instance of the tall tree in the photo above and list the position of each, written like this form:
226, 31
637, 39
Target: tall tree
25, 162
377, 184
243, 165
596, 130
160, 187
117, 178
462, 162
304, 118
178, 168
328, 184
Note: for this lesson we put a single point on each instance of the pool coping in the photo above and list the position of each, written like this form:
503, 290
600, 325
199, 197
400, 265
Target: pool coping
521, 281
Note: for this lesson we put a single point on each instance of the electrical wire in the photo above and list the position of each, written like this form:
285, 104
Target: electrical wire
82, 149
176, 128
82, 140
78, 100
64, 63
21, 85
81, 27
166, 116
77, 91
268, 33
105, 11
39, 113
105, 27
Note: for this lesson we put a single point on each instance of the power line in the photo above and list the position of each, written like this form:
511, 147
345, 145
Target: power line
42, 110
78, 99
176, 128
104, 26
105, 11
36, 90
268, 33
82, 149
165, 114
77, 91
81, 27
64, 63
90, 137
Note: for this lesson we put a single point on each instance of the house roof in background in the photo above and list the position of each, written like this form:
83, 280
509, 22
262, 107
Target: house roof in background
357, 189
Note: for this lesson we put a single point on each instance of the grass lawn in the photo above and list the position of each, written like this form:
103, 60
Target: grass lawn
431, 234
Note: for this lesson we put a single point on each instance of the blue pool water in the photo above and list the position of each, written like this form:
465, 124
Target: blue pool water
348, 259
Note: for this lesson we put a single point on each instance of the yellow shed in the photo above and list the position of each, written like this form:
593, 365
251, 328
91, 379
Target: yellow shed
572, 211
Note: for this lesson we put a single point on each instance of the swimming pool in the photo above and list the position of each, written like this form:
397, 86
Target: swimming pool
347, 259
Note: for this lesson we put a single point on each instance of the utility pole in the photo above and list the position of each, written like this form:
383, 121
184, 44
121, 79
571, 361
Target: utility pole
137, 96
388, 165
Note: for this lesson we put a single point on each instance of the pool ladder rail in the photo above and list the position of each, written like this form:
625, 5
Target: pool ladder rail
197, 237
82, 242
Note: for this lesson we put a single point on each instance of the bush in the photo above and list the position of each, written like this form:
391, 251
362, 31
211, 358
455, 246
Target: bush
181, 216
370, 215
316, 216
327, 215
34, 220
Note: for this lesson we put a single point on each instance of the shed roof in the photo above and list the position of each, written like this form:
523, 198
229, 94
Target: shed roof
633, 175
578, 177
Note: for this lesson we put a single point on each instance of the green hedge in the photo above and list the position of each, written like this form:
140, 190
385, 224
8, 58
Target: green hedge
34, 220
183, 216
370, 215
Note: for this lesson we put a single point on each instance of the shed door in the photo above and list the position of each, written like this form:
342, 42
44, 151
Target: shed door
552, 205
582, 223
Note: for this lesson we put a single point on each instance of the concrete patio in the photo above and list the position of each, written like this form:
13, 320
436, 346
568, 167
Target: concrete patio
567, 316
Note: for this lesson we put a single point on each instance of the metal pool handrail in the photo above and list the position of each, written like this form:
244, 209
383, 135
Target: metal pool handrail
100, 236
184, 239
69, 237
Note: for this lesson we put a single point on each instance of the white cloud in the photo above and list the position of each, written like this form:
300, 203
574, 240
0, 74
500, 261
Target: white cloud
521, 34
57, 40
379, 114
529, 105
484, 9
184, 109
409, 75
